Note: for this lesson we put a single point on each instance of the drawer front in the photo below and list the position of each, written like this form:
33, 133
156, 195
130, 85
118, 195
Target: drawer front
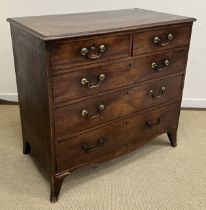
84, 52
156, 40
93, 112
71, 86
110, 140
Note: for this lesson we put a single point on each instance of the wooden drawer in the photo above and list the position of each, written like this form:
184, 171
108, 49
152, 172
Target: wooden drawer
84, 52
68, 86
112, 139
69, 119
156, 40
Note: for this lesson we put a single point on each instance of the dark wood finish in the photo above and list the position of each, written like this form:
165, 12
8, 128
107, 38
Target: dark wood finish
68, 119
26, 147
50, 65
52, 27
31, 64
56, 183
172, 135
68, 86
69, 54
133, 130
143, 42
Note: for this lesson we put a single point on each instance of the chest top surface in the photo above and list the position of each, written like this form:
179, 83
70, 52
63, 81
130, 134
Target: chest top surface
52, 27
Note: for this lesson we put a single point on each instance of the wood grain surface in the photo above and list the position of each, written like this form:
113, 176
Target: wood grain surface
127, 133
144, 42
68, 119
69, 54
53, 27
67, 87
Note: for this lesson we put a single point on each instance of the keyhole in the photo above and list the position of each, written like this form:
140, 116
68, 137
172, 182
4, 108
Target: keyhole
130, 65
128, 93
126, 123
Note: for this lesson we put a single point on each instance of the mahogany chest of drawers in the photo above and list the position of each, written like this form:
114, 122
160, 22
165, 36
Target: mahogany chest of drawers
94, 86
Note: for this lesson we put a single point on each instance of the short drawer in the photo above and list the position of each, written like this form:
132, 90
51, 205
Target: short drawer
84, 52
86, 114
83, 83
156, 40
110, 140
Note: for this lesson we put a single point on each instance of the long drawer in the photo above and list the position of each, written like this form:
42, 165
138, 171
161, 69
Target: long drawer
73, 118
99, 79
159, 39
109, 140
89, 51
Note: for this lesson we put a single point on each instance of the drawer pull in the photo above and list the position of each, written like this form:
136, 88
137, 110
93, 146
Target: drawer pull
160, 67
100, 79
93, 52
150, 124
161, 41
99, 110
162, 92
88, 148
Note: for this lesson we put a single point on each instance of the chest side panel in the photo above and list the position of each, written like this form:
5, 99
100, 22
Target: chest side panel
31, 66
